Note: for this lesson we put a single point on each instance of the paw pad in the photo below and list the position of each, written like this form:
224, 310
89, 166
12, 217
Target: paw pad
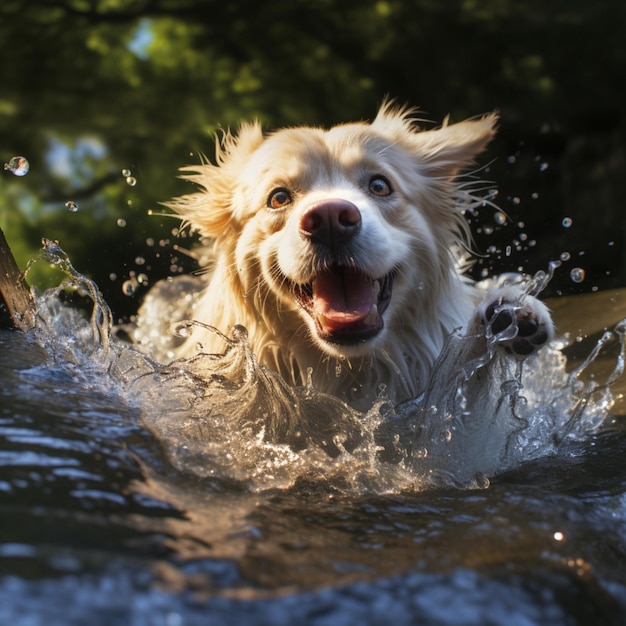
517, 328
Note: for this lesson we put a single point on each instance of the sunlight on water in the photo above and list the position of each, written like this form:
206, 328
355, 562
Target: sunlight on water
228, 420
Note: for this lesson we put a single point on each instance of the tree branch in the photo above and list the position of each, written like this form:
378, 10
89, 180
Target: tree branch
17, 309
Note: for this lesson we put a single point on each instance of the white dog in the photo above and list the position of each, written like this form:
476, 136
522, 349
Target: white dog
341, 252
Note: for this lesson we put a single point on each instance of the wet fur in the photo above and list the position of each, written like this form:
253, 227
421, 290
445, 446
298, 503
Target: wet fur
419, 230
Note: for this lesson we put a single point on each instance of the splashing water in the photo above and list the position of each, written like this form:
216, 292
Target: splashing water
57, 321
227, 420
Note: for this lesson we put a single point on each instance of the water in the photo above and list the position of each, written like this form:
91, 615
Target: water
18, 166
135, 492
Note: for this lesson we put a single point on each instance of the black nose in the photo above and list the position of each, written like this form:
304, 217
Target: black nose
330, 221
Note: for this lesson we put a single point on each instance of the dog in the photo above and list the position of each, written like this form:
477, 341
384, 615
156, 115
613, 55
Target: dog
343, 253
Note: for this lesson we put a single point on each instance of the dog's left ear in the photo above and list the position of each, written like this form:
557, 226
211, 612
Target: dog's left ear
444, 151
447, 150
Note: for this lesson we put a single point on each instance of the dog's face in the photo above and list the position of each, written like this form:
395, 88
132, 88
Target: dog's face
340, 227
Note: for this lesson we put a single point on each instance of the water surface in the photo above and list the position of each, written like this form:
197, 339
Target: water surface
118, 507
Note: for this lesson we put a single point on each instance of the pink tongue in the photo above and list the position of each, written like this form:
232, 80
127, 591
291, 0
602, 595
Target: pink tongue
343, 296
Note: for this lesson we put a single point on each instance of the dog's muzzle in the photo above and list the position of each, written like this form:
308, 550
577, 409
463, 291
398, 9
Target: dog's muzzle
345, 303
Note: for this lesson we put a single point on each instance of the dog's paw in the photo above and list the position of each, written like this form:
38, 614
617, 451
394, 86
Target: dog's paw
518, 324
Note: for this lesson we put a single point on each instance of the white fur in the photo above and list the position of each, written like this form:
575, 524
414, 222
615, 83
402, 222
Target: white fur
417, 231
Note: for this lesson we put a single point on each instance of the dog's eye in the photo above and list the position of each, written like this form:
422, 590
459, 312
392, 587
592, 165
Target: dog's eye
380, 186
278, 199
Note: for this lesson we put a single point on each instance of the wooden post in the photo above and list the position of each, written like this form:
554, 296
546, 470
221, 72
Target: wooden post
17, 309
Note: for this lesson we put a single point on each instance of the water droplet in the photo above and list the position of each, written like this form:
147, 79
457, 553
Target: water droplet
511, 159
139, 260
484, 272
515, 200
129, 287
488, 230
121, 222
126, 173
183, 329
567, 222
543, 167
18, 166
499, 218
131, 181
445, 435
558, 536
480, 482
523, 236
565, 256
71, 206
577, 275
142, 279
112, 276
534, 195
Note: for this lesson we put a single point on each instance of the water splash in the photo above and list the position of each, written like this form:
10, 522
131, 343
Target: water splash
229, 421
537, 410
52, 316
235, 419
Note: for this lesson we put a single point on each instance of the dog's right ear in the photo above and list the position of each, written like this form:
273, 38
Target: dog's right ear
210, 209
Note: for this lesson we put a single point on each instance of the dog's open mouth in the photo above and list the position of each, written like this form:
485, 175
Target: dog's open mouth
346, 304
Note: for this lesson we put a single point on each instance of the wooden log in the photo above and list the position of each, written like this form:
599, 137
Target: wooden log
17, 308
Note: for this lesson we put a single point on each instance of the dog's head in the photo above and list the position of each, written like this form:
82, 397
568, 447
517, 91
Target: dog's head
342, 227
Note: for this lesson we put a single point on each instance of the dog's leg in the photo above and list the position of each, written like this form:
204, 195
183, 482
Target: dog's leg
513, 321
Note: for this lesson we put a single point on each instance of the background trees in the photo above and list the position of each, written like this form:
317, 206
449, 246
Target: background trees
90, 88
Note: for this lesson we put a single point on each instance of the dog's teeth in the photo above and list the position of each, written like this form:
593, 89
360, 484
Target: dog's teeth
372, 316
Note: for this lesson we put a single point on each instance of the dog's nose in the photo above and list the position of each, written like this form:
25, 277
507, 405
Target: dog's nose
330, 221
